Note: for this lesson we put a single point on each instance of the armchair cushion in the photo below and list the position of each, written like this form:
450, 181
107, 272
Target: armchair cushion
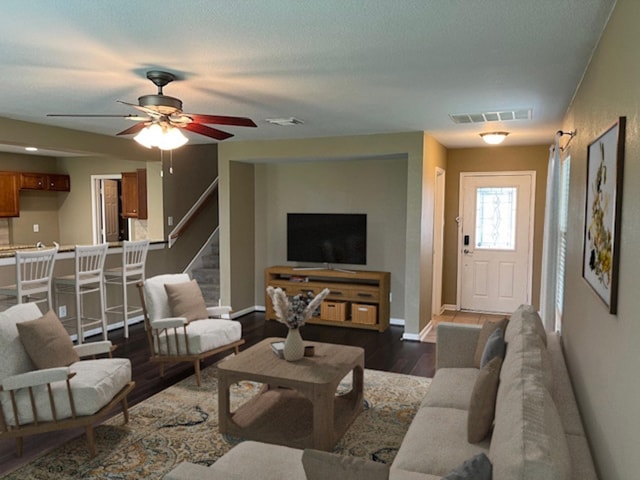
13, 357
47, 342
185, 300
155, 294
203, 336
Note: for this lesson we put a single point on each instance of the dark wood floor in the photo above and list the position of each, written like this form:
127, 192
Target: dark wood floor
383, 351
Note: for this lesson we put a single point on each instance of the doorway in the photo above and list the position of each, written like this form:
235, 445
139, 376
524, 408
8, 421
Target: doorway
495, 241
108, 223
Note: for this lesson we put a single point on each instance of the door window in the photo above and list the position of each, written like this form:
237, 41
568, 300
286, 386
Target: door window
496, 218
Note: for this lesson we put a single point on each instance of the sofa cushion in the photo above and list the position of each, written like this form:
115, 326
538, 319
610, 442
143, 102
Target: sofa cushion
495, 347
14, 359
485, 332
320, 465
482, 405
528, 440
525, 318
186, 300
435, 442
451, 387
477, 467
47, 342
526, 355
263, 461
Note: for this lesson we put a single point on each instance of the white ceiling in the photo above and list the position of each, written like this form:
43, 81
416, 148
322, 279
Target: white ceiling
344, 67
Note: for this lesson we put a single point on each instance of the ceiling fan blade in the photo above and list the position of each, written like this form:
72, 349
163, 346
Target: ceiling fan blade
221, 120
134, 129
152, 113
207, 131
136, 118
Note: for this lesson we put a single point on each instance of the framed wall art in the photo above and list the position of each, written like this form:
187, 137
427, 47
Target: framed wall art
605, 163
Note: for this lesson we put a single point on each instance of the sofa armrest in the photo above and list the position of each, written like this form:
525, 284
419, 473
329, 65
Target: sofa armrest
189, 471
456, 345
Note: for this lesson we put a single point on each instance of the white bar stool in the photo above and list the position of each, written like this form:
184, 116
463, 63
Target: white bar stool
34, 269
134, 258
88, 278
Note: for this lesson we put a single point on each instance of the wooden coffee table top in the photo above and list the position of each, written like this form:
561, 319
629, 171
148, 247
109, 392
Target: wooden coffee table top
328, 365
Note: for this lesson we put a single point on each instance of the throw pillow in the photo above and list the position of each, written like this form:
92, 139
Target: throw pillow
495, 347
477, 467
47, 342
485, 332
320, 465
185, 300
482, 406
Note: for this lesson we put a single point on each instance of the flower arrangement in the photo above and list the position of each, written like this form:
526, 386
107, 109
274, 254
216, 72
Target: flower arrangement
295, 312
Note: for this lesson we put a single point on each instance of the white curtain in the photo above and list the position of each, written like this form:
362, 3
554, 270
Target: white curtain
550, 240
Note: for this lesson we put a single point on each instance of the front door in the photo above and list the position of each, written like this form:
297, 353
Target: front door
496, 240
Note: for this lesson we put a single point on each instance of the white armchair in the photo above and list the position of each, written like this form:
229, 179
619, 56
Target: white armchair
197, 334
36, 400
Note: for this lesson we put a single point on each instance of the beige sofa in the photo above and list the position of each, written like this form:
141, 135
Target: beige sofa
537, 434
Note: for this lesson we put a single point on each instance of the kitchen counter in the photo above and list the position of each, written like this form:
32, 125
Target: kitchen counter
9, 251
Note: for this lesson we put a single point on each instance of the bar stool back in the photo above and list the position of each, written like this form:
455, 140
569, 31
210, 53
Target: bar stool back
34, 269
88, 278
134, 258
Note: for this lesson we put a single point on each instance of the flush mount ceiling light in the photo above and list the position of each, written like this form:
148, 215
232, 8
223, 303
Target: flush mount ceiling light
494, 138
31, 149
284, 122
161, 135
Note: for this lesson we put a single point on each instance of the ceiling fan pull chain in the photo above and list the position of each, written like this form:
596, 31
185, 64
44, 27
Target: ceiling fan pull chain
171, 162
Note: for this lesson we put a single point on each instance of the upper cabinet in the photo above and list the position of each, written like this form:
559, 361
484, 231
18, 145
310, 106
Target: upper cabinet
9, 194
45, 181
134, 194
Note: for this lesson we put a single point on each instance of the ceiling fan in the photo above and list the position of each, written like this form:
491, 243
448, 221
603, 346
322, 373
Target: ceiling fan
166, 112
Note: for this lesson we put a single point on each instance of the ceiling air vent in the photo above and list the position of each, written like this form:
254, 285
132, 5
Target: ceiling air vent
503, 116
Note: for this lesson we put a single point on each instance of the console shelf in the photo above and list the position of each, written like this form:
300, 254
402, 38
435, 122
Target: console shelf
360, 291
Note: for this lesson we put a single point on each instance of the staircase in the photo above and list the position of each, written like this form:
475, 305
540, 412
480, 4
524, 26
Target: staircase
206, 270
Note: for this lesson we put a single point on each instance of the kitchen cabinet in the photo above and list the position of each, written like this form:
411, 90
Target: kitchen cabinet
9, 194
45, 181
134, 194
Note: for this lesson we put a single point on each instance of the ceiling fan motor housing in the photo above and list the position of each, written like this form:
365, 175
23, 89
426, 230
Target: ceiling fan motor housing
161, 103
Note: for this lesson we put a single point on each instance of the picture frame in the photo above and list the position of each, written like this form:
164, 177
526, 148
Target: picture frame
603, 207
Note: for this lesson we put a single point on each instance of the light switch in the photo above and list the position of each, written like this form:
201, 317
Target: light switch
36, 228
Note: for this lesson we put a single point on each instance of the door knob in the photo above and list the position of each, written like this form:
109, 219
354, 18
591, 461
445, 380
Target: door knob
467, 251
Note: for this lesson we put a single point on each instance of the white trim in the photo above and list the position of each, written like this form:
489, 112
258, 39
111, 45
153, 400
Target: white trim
459, 220
449, 306
417, 337
191, 211
246, 311
205, 245
397, 321
94, 207
438, 227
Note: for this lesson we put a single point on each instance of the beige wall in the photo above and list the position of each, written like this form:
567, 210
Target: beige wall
603, 351
75, 210
376, 187
492, 159
408, 145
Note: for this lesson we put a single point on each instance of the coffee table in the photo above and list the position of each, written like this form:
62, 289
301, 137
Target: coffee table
297, 405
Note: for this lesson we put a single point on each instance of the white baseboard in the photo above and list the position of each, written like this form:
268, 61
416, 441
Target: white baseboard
244, 311
397, 321
448, 306
110, 327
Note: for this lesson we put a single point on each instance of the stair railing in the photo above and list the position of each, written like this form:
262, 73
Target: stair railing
184, 222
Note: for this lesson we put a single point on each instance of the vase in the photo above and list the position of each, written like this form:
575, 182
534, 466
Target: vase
293, 345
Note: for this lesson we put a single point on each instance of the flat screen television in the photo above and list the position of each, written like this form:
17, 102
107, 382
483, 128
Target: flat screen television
327, 238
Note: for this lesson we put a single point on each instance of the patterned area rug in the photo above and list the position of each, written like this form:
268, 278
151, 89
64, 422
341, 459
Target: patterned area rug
181, 424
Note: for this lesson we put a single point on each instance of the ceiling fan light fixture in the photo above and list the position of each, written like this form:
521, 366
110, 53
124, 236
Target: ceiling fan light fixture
163, 137
494, 138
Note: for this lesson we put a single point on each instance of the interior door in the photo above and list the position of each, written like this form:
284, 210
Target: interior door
111, 215
496, 240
